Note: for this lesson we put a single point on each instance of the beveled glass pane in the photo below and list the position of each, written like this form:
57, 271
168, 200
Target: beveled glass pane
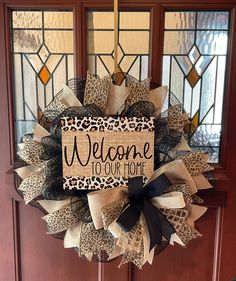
30, 99
27, 41
203, 63
59, 41
134, 20
100, 42
134, 71
177, 80
19, 101
58, 20
144, 67
194, 54
35, 61
108, 61
196, 98
134, 42
180, 20
185, 63
59, 75
100, 20
53, 61
27, 19
166, 70
178, 42
208, 89
101, 69
212, 42
188, 98
220, 88
213, 20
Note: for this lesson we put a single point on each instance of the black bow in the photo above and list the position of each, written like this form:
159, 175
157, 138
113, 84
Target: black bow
139, 199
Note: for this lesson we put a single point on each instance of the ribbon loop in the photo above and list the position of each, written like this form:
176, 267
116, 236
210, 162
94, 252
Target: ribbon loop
139, 199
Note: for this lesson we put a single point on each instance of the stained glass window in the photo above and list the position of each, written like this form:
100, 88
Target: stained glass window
42, 50
133, 51
194, 64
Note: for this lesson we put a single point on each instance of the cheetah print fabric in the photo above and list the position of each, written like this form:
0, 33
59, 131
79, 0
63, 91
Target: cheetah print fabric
94, 241
33, 186
186, 233
176, 119
92, 183
138, 91
184, 189
108, 124
134, 257
196, 162
54, 109
31, 153
111, 212
63, 219
96, 90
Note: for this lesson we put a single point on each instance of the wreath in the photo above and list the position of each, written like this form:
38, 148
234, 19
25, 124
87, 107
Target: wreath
136, 217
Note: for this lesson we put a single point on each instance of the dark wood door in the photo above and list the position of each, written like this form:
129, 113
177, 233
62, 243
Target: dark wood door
28, 253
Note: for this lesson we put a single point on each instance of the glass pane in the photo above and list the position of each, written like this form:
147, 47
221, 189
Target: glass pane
59, 41
134, 20
213, 20
27, 41
180, 20
212, 42
178, 42
134, 42
96, 41
133, 50
100, 20
43, 60
194, 65
27, 19
58, 20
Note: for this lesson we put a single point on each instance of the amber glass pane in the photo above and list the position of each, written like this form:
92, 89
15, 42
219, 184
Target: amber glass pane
43, 60
194, 63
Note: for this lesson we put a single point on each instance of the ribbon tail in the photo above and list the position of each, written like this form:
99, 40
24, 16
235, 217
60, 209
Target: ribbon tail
153, 222
157, 224
128, 217
167, 228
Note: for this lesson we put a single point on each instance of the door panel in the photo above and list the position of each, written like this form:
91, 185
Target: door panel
28, 253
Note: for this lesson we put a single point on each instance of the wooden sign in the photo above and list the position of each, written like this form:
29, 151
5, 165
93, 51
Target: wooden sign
98, 152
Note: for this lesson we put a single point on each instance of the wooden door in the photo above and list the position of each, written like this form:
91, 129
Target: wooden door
28, 253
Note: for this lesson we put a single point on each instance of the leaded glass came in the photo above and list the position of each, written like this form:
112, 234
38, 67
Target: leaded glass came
194, 64
134, 37
42, 49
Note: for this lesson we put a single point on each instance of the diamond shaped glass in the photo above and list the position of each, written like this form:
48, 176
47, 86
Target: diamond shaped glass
43, 53
193, 77
194, 54
44, 75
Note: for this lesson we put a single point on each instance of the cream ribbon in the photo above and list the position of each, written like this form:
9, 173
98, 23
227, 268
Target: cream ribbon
27, 171
175, 171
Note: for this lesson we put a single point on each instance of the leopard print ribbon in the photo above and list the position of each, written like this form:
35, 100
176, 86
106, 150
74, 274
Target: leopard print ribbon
196, 162
33, 186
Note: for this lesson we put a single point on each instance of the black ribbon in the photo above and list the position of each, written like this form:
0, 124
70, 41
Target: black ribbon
139, 199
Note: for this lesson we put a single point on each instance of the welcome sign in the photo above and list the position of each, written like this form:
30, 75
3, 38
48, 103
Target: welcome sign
103, 148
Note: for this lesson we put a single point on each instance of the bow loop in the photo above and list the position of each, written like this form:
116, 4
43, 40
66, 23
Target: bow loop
136, 190
139, 199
